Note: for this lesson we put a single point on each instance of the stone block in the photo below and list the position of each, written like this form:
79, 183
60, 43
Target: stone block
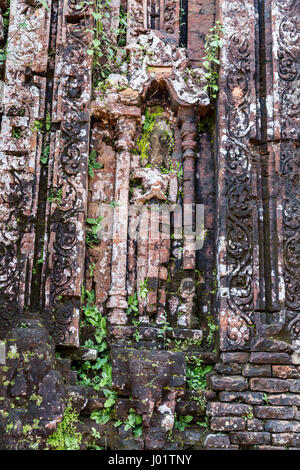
217, 440
239, 357
286, 372
274, 412
228, 409
233, 383
253, 398
269, 385
282, 426
270, 358
227, 424
250, 438
253, 370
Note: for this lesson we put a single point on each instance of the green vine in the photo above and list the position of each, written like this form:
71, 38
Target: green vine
213, 43
66, 436
93, 164
108, 54
133, 422
182, 422
196, 373
91, 235
99, 374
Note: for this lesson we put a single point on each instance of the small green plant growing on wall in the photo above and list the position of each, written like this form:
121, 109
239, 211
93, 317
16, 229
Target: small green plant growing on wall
45, 155
95, 223
133, 305
107, 47
98, 374
212, 328
213, 43
164, 327
134, 422
4, 51
249, 415
91, 235
44, 127
204, 424
101, 416
182, 422
37, 126
265, 399
66, 436
95, 435
92, 269
93, 164
143, 142
104, 416
3, 56
55, 197
196, 373
143, 289
44, 4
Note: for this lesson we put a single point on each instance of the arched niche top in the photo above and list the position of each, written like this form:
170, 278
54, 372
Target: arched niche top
155, 63
153, 57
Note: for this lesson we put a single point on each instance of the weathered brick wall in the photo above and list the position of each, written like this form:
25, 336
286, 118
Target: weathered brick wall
148, 342
259, 304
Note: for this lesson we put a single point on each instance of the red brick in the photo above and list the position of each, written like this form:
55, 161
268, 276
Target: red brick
217, 440
255, 425
279, 426
250, 438
294, 386
269, 358
284, 399
270, 345
286, 439
269, 385
227, 424
286, 372
228, 369
228, 409
234, 382
240, 357
253, 398
253, 370
274, 412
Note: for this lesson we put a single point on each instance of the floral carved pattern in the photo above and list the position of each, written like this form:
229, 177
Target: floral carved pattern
20, 147
289, 61
290, 163
239, 242
236, 252
68, 207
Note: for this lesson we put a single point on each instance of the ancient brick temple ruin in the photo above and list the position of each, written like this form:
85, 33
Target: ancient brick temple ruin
118, 116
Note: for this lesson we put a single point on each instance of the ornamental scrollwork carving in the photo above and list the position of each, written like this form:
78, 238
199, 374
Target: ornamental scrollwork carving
289, 61
69, 191
289, 167
239, 243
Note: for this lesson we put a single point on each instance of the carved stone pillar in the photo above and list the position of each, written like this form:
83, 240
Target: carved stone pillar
188, 123
238, 198
67, 177
117, 301
22, 105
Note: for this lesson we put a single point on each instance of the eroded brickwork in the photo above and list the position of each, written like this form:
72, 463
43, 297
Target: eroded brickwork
125, 325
